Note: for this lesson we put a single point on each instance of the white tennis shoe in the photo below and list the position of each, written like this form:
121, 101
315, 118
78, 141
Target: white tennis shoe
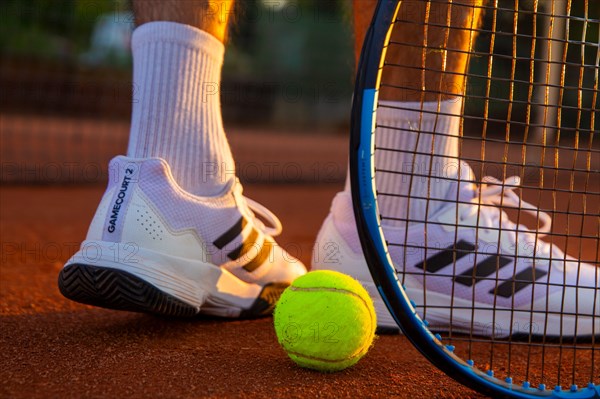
483, 272
153, 247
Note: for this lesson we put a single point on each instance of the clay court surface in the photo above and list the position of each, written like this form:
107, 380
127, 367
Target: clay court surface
51, 347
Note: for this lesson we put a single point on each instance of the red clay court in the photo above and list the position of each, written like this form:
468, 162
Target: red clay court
52, 347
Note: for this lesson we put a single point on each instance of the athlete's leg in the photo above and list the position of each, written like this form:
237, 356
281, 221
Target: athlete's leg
211, 16
424, 89
173, 234
422, 72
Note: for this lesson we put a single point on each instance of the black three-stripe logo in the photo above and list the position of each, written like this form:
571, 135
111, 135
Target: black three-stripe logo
247, 244
482, 270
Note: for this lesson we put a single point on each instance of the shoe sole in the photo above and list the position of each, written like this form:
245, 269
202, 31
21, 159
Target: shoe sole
119, 290
159, 283
438, 314
116, 289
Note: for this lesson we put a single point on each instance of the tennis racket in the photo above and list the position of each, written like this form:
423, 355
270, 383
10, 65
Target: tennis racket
520, 321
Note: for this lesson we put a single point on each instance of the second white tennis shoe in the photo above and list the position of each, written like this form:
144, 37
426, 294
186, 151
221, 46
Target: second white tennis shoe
482, 272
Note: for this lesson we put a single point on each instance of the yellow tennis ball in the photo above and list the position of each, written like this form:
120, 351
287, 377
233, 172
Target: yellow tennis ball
325, 321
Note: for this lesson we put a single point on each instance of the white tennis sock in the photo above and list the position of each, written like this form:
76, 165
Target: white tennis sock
424, 141
177, 110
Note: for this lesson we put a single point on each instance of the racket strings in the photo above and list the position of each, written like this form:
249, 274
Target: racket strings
590, 151
501, 100
522, 124
557, 189
558, 112
530, 138
483, 206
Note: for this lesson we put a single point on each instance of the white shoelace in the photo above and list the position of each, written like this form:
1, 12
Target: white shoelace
264, 212
253, 208
495, 193
498, 192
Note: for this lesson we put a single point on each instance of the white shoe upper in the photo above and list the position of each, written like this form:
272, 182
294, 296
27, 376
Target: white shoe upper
472, 254
173, 239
